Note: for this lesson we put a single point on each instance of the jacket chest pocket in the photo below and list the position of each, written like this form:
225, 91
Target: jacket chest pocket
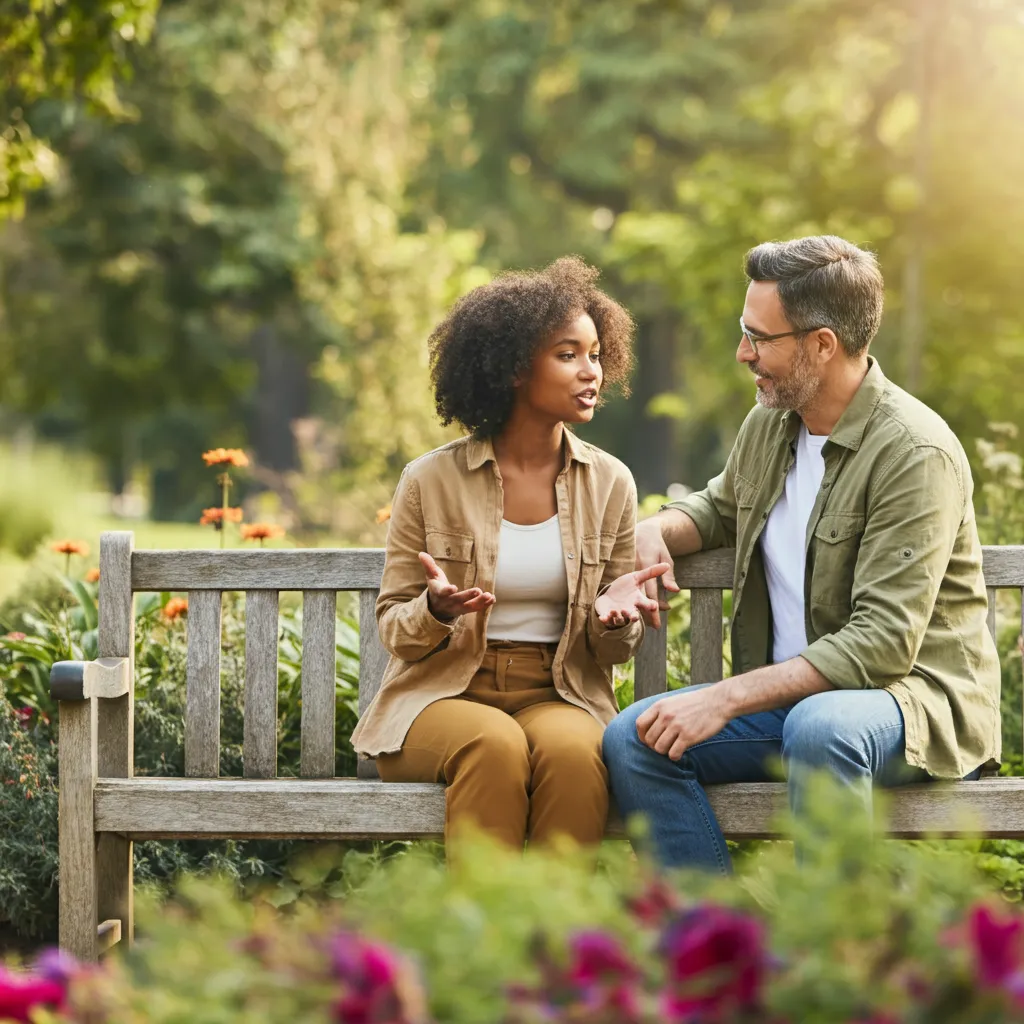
835, 548
453, 553
595, 553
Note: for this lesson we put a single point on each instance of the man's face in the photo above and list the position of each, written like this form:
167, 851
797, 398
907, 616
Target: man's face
787, 377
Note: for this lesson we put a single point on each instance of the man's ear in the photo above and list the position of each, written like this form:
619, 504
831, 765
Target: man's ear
828, 344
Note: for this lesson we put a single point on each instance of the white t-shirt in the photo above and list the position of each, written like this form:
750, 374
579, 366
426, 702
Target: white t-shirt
530, 586
783, 546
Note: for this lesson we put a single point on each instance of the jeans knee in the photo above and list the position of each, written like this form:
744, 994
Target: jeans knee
620, 738
815, 737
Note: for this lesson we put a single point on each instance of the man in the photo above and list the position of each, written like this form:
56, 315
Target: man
858, 635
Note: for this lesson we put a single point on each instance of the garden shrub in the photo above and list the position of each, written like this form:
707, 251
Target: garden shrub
864, 931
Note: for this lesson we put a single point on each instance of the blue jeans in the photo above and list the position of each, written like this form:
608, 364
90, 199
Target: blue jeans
856, 735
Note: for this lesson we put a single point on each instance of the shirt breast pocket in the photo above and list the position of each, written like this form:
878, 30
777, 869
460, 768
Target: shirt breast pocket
595, 553
836, 546
453, 553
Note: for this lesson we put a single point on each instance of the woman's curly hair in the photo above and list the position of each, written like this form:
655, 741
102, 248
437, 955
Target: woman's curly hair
489, 339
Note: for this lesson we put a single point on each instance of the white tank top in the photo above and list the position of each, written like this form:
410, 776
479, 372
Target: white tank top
530, 585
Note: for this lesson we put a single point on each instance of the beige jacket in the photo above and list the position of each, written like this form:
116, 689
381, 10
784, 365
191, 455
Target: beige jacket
449, 504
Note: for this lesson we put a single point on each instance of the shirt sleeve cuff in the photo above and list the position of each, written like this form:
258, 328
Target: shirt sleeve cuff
841, 668
701, 510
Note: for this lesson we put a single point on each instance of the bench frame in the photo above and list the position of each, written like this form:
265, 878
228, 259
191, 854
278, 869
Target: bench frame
103, 808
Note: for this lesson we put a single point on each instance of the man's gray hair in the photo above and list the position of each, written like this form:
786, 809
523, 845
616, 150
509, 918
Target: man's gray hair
824, 281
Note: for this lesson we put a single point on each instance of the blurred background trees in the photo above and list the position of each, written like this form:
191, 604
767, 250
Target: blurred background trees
235, 224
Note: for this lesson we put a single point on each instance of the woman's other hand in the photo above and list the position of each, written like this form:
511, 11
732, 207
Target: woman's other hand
625, 599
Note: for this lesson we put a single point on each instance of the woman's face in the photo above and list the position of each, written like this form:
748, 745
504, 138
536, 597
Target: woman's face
565, 376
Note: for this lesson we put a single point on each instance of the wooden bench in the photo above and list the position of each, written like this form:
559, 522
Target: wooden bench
103, 808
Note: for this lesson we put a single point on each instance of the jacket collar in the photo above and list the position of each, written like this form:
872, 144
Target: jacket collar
849, 431
481, 451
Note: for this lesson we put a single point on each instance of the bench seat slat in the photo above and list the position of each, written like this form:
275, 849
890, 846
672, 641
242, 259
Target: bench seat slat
202, 688
259, 740
319, 609
349, 808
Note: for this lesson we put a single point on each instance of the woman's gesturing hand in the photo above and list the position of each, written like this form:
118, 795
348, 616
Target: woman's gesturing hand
446, 601
625, 599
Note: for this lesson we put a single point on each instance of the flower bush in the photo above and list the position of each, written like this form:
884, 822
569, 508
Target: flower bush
863, 932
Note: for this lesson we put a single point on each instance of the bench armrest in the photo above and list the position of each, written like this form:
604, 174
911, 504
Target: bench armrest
80, 680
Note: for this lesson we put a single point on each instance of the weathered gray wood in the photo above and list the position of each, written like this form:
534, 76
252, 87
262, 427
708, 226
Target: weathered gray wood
316, 808
705, 635
1003, 565
115, 732
361, 569
202, 691
650, 672
259, 569
259, 741
77, 897
373, 660
991, 619
711, 569
108, 934
157, 808
319, 617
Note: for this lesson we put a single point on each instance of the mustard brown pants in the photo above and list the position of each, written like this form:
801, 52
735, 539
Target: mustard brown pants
520, 763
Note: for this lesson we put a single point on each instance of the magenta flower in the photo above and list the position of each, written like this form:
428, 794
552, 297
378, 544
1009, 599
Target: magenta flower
375, 986
653, 904
716, 962
20, 994
603, 976
996, 944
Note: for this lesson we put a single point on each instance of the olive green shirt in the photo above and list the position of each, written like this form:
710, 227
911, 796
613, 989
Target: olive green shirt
894, 596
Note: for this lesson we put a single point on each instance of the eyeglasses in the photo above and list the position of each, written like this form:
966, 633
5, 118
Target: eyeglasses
760, 339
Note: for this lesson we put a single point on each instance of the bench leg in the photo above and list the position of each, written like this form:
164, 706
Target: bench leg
114, 883
78, 907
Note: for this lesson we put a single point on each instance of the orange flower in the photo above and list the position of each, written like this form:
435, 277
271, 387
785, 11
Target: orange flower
262, 531
70, 547
93, 575
217, 516
226, 457
384, 514
175, 608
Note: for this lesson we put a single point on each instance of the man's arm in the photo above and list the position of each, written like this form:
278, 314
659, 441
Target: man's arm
674, 724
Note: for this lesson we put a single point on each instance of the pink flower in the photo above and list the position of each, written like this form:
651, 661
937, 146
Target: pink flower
654, 903
375, 986
14, 635
21, 994
996, 944
716, 962
24, 715
604, 975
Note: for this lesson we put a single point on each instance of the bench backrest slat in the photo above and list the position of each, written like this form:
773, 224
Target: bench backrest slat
259, 738
319, 608
705, 635
202, 690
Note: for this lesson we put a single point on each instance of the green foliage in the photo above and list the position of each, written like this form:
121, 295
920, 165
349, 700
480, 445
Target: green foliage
63, 627
861, 930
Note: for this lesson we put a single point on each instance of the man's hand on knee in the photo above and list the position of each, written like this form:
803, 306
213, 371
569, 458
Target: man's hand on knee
674, 724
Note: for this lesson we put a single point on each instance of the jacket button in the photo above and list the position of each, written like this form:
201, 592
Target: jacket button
833, 533
447, 551
571, 555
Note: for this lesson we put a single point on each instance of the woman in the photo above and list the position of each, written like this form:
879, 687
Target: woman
507, 594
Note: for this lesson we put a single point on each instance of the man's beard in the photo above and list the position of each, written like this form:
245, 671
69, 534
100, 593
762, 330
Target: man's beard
796, 390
